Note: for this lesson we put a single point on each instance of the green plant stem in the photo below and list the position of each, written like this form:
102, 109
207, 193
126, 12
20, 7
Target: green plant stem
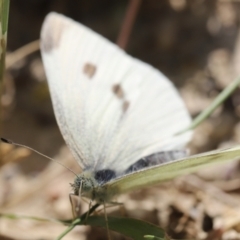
69, 229
217, 101
14, 216
4, 11
77, 221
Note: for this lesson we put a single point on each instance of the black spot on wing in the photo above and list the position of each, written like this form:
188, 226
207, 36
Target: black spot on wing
118, 91
140, 164
125, 106
156, 159
104, 176
89, 69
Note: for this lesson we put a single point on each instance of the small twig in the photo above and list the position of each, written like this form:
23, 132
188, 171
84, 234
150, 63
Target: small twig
21, 53
210, 190
128, 22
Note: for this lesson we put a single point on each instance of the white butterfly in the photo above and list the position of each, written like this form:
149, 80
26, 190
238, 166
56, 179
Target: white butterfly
118, 115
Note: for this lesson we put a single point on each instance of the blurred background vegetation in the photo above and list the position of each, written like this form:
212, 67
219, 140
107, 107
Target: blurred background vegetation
196, 44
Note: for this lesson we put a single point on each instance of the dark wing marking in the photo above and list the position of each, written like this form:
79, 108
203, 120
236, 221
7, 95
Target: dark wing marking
156, 159
118, 91
89, 69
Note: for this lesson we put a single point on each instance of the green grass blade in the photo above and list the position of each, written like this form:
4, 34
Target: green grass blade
4, 15
4, 11
151, 237
217, 102
13, 216
133, 228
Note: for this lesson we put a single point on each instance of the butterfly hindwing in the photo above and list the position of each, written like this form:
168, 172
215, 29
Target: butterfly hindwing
167, 171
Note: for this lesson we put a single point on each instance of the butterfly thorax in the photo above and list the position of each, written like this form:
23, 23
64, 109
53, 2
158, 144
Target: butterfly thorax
92, 185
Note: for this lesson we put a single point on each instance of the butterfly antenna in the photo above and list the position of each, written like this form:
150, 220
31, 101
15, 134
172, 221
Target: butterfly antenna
39, 153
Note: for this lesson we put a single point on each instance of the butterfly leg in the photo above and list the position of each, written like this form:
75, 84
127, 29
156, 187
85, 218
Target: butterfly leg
106, 219
79, 200
71, 196
111, 204
89, 207
76, 210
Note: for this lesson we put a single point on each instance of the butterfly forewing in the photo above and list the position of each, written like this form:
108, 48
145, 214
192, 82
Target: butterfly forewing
111, 108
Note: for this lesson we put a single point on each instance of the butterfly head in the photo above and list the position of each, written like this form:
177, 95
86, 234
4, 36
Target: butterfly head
92, 185
84, 185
